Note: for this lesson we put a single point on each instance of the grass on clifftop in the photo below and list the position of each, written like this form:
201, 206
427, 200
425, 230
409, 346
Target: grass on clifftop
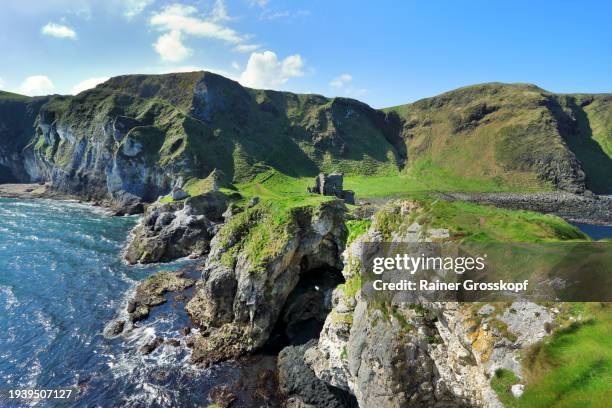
573, 367
480, 223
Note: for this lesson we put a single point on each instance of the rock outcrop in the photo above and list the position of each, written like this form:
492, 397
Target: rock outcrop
424, 353
255, 262
177, 229
150, 292
301, 387
17, 117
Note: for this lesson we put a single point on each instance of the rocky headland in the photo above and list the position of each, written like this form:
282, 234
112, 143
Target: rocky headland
218, 172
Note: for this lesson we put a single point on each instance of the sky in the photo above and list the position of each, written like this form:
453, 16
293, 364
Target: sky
384, 53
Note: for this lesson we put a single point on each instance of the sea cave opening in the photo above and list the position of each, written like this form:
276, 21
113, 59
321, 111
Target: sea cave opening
306, 307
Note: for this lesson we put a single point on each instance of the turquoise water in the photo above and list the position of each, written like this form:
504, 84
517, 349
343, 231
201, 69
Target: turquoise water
61, 280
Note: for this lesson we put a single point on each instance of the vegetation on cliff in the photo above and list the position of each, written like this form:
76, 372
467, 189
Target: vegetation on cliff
510, 135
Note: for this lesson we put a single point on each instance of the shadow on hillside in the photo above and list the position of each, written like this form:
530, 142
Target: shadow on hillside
579, 137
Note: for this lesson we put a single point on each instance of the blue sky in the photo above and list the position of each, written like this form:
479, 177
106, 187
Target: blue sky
382, 52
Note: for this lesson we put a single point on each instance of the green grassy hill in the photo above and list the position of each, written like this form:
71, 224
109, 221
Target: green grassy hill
499, 136
202, 121
489, 137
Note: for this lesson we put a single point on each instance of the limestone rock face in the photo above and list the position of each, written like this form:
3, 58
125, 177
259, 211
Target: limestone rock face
433, 354
388, 356
243, 293
173, 230
178, 194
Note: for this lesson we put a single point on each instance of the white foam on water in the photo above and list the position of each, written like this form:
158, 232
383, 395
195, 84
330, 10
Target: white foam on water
10, 300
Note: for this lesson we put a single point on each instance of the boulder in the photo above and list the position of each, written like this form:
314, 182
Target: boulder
151, 346
517, 390
150, 292
114, 328
300, 385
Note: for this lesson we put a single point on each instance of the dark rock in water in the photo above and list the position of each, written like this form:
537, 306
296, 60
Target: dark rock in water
173, 342
151, 346
223, 396
127, 204
185, 331
331, 185
174, 230
301, 386
150, 292
115, 328
161, 375
140, 313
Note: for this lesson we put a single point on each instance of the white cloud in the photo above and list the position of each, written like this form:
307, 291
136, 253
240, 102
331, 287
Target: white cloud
170, 47
87, 84
265, 70
1, 83
178, 17
179, 22
246, 47
219, 12
235, 65
132, 8
58, 31
339, 81
283, 14
36, 85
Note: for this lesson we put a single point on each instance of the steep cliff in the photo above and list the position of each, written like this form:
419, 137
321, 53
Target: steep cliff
431, 354
256, 263
133, 137
17, 117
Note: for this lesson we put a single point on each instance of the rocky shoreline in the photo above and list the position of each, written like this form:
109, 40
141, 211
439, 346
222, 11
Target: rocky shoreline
586, 208
356, 353
45, 190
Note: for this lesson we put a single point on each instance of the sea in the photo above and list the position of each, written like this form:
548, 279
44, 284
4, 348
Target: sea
62, 279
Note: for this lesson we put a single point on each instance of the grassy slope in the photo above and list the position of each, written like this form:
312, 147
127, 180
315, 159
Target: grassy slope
490, 137
573, 367
499, 137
